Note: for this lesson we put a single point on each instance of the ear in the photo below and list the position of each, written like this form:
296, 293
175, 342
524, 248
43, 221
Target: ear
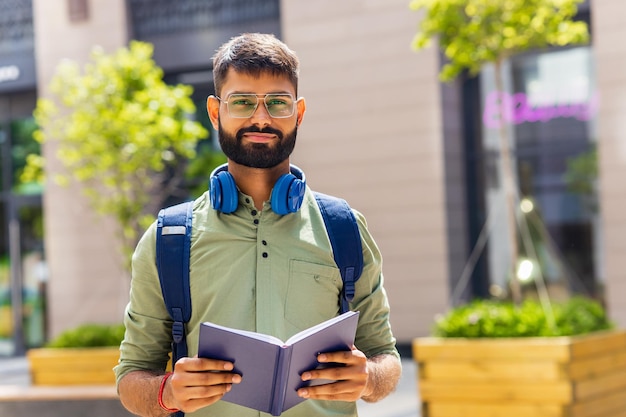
300, 109
213, 110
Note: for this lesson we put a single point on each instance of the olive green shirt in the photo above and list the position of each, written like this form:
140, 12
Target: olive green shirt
258, 271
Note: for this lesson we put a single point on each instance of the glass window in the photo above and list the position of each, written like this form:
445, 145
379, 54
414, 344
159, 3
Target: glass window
22, 262
548, 112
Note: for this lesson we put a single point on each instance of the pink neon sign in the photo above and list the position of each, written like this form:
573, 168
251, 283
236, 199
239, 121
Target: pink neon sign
501, 107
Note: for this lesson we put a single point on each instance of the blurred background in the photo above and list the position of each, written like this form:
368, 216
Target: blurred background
417, 156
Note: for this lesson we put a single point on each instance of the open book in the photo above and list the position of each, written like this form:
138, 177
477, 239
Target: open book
270, 368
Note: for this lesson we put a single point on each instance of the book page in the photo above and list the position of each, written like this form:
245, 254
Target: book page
311, 330
252, 335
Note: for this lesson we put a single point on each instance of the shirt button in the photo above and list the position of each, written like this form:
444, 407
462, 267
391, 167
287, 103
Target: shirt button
265, 255
264, 242
256, 221
248, 200
254, 212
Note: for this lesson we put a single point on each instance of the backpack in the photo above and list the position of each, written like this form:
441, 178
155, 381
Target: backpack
173, 247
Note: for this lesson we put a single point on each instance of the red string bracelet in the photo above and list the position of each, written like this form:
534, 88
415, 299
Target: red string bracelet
161, 388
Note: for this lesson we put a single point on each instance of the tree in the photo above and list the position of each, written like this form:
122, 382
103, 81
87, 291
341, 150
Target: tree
472, 33
121, 132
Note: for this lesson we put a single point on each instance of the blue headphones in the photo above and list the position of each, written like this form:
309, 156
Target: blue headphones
287, 194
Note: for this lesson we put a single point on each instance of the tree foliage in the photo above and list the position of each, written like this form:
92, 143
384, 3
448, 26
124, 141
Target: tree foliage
473, 32
120, 131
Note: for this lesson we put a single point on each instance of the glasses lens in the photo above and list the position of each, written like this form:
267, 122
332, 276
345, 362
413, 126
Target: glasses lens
242, 105
279, 105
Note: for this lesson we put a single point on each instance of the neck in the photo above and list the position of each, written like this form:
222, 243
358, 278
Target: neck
257, 182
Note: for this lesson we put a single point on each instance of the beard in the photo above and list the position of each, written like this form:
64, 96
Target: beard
257, 155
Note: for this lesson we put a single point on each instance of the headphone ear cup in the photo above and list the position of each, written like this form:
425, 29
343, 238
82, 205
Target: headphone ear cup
223, 193
287, 194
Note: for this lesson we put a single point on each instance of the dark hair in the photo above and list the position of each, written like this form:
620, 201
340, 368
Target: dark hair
253, 54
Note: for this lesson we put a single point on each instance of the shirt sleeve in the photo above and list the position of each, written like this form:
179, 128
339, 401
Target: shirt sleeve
374, 335
146, 344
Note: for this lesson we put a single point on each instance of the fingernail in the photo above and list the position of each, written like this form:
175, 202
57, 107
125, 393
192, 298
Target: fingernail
321, 358
306, 376
303, 393
228, 366
236, 379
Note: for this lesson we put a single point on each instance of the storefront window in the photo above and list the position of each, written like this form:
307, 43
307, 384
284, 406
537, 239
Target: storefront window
22, 265
548, 111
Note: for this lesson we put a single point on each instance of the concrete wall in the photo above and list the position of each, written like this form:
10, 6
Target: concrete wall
87, 283
610, 55
373, 134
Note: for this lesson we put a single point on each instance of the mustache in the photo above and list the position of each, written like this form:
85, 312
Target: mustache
255, 129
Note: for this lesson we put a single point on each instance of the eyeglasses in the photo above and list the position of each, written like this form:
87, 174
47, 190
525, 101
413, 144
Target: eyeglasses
244, 105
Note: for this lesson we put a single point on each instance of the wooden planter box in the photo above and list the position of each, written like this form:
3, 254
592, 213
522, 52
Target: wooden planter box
581, 376
73, 366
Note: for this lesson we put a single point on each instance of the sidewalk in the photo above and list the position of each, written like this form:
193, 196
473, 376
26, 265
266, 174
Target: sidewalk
14, 371
19, 399
402, 403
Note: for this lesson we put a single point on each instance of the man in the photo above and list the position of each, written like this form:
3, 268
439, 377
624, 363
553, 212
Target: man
253, 265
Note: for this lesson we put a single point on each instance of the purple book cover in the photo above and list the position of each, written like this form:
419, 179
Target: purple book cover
271, 368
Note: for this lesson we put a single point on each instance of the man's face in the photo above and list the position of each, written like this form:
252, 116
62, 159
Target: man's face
258, 140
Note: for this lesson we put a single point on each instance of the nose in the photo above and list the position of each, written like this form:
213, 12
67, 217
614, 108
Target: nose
261, 117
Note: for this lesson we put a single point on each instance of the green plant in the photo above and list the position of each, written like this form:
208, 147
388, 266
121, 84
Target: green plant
489, 318
121, 132
89, 335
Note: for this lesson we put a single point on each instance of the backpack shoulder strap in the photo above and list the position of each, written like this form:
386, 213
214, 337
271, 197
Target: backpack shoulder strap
173, 244
345, 239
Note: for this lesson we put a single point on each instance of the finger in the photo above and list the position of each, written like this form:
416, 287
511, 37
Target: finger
203, 379
218, 378
337, 391
345, 357
196, 364
204, 392
334, 373
344, 368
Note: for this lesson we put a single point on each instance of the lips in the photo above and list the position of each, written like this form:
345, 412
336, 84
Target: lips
257, 137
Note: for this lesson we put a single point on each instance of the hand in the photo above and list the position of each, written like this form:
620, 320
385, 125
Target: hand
198, 382
350, 378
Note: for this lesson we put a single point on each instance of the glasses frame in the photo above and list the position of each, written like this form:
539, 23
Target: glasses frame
259, 96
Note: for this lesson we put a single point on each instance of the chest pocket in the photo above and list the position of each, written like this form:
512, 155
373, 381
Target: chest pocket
312, 293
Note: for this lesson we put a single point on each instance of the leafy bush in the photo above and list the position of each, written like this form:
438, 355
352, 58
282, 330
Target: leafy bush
89, 335
488, 318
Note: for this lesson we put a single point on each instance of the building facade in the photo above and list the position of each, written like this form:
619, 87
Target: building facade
416, 156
